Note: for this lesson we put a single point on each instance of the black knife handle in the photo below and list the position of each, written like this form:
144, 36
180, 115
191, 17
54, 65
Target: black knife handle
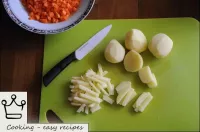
50, 75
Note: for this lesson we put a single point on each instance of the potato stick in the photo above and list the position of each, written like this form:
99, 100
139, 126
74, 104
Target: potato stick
112, 92
75, 90
100, 87
100, 70
92, 105
110, 88
81, 108
80, 82
75, 104
81, 100
108, 99
95, 108
86, 110
90, 72
97, 80
105, 72
94, 87
71, 86
86, 89
93, 99
83, 78
76, 78
101, 78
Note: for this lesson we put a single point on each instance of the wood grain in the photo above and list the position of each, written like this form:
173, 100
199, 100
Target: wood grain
21, 52
168, 8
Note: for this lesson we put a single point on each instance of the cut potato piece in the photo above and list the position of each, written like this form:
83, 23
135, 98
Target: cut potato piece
122, 94
141, 98
153, 83
76, 104
114, 52
105, 72
94, 87
135, 40
81, 108
123, 85
133, 61
92, 105
108, 99
86, 110
112, 91
110, 88
87, 89
145, 103
145, 74
100, 70
95, 108
160, 45
97, 80
102, 89
92, 99
142, 102
82, 101
130, 95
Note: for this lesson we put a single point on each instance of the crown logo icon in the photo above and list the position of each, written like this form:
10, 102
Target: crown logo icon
13, 110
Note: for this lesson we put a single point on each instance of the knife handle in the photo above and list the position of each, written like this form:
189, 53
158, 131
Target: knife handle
50, 75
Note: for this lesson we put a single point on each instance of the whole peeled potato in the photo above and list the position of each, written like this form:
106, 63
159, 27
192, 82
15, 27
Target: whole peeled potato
114, 52
133, 61
160, 45
135, 40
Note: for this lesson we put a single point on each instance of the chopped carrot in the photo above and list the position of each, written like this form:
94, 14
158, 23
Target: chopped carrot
50, 11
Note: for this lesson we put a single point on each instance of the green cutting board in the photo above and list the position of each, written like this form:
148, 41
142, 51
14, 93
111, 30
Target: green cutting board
175, 105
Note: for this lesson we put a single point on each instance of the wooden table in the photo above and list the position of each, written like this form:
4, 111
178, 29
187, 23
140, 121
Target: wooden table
21, 53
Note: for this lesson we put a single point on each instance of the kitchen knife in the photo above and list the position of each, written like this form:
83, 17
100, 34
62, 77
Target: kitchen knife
52, 117
79, 54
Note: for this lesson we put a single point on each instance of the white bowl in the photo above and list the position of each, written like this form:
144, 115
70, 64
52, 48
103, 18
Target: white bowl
20, 16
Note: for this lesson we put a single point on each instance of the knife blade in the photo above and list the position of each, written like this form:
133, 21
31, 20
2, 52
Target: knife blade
79, 54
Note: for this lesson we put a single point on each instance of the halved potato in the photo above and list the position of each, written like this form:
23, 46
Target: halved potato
133, 61
135, 40
145, 74
114, 52
160, 45
153, 83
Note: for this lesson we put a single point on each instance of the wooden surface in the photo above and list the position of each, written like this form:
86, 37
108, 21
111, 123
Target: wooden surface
21, 52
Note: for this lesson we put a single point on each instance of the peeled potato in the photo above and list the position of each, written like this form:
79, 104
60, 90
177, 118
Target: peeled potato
133, 61
153, 83
160, 45
114, 52
136, 40
145, 74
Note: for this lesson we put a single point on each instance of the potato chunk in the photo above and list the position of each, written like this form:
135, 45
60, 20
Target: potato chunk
160, 45
114, 52
133, 61
135, 40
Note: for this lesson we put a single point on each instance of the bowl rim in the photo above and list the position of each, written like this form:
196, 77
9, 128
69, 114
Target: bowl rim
39, 31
